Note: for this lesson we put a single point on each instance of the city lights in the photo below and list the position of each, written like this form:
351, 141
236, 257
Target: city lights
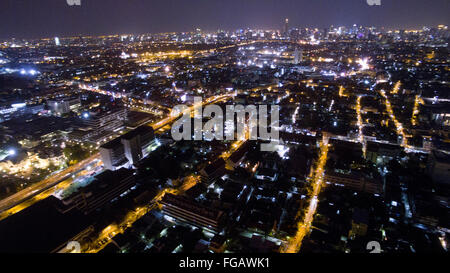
300, 135
364, 64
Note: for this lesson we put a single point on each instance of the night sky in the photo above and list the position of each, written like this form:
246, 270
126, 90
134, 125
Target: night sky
48, 18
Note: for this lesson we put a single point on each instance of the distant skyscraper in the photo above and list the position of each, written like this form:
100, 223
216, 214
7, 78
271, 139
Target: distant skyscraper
57, 42
286, 28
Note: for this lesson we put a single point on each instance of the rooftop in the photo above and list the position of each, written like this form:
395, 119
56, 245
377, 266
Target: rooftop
40, 228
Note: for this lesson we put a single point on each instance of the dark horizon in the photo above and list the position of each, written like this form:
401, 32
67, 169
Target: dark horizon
49, 18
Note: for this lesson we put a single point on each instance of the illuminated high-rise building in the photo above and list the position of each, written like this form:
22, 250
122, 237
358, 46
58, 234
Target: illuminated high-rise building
286, 28
57, 42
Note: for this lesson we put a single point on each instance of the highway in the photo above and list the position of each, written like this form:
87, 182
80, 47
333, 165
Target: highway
39, 190
168, 120
110, 231
90, 170
45, 184
63, 179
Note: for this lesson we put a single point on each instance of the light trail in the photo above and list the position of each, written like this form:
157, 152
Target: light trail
45, 188
304, 226
125, 99
46, 193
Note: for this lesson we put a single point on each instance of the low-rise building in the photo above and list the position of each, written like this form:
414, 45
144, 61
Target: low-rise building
105, 187
191, 212
355, 182
213, 170
43, 228
439, 167
64, 105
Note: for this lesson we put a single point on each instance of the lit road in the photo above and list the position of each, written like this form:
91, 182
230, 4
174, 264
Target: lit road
44, 188
416, 110
304, 226
341, 92
396, 87
51, 190
390, 111
45, 184
168, 120
112, 230
360, 125
136, 102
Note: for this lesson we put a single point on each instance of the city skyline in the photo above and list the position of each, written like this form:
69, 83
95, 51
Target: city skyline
57, 18
176, 128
